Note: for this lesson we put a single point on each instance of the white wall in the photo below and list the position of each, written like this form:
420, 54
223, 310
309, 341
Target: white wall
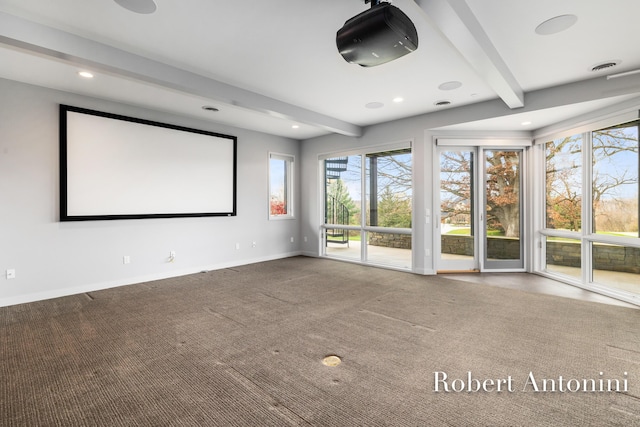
53, 259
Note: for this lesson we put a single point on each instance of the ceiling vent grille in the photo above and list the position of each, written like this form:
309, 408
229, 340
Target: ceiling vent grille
604, 66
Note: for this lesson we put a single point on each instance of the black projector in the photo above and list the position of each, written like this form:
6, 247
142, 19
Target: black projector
378, 35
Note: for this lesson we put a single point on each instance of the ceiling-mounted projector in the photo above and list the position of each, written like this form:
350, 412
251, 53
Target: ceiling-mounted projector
378, 35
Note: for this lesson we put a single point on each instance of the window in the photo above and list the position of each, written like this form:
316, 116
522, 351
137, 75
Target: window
615, 180
564, 183
374, 227
342, 203
388, 177
564, 256
616, 266
280, 186
591, 221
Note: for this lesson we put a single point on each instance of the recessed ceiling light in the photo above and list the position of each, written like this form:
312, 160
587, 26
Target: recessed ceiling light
138, 6
374, 105
525, 123
209, 108
398, 99
556, 24
85, 74
441, 103
450, 85
295, 127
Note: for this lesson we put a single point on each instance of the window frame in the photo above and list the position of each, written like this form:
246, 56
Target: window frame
363, 228
587, 236
289, 182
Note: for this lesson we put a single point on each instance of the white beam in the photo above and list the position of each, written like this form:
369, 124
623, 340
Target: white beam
594, 89
457, 23
56, 44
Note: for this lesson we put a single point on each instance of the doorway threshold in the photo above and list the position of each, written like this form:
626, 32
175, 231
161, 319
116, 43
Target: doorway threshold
457, 271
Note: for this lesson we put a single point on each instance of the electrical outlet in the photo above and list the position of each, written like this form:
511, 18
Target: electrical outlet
237, 246
291, 239
305, 239
172, 254
11, 273
253, 244
126, 259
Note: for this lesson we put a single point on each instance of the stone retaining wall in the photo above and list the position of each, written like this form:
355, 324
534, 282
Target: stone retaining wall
390, 240
605, 257
456, 244
498, 247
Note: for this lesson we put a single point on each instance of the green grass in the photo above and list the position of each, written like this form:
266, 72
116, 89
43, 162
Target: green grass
461, 231
613, 233
577, 239
467, 232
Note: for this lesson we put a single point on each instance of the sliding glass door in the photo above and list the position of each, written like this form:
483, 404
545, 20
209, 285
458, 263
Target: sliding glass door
480, 221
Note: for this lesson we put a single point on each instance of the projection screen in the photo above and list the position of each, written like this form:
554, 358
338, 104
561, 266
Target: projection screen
118, 167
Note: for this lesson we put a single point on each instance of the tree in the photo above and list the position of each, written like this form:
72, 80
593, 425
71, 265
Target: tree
394, 171
455, 184
503, 191
614, 169
615, 173
338, 196
394, 209
564, 183
502, 188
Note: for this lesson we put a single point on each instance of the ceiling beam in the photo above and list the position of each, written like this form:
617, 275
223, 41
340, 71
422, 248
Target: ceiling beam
457, 23
598, 88
63, 46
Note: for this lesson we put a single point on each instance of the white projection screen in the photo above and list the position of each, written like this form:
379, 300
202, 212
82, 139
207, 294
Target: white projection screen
117, 167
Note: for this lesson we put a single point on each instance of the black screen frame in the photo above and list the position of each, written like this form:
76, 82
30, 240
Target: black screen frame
65, 216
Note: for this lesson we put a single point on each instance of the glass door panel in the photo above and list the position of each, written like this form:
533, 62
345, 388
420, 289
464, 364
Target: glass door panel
343, 191
458, 244
388, 203
502, 209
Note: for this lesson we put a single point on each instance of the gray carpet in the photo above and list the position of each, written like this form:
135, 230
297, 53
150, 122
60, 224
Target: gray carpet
243, 347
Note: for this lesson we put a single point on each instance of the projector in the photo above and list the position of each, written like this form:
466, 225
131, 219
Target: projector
378, 35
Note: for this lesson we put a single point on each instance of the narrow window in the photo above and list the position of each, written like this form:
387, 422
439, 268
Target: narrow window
280, 186
564, 184
615, 181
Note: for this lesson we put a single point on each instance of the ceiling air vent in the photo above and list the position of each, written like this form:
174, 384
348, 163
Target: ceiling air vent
442, 103
604, 66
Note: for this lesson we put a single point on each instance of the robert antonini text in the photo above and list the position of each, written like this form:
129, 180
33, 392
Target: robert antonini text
531, 383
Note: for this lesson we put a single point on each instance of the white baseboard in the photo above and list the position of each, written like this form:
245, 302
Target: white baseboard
57, 293
310, 254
